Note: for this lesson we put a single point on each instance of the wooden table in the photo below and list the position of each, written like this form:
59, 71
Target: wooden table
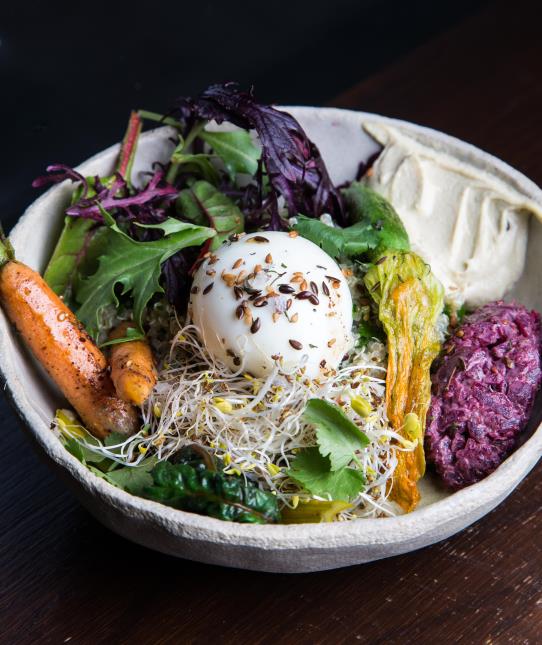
64, 578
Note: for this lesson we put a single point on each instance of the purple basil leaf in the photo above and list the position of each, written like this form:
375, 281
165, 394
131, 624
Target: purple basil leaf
294, 166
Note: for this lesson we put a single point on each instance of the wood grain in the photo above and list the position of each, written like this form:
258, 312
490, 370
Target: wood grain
65, 579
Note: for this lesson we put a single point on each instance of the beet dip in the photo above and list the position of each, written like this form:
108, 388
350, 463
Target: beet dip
484, 387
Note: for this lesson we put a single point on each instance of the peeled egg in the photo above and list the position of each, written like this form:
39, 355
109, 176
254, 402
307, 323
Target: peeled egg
273, 297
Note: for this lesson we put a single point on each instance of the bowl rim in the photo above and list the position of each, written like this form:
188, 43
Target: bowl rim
382, 531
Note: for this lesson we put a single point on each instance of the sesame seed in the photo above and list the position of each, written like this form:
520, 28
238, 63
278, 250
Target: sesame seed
296, 279
303, 285
255, 326
257, 239
213, 259
237, 263
276, 357
276, 316
269, 258
331, 342
208, 288
294, 318
194, 289
210, 272
257, 269
288, 303
295, 344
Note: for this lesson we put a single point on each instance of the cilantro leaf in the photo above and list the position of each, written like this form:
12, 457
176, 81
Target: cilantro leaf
134, 265
203, 204
338, 436
236, 149
312, 471
133, 479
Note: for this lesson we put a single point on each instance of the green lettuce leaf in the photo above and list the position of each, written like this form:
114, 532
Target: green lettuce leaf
132, 266
204, 205
375, 226
236, 149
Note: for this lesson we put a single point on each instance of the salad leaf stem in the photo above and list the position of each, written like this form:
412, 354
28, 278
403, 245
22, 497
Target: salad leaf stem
159, 118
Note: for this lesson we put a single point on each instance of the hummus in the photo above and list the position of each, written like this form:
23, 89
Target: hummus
469, 225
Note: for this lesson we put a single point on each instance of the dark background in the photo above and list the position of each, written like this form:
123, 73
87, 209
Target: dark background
69, 75
71, 71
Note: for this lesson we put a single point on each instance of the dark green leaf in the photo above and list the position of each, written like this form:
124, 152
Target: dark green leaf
336, 241
197, 164
133, 479
313, 472
196, 489
236, 149
82, 453
67, 255
204, 205
375, 226
135, 266
338, 437
365, 206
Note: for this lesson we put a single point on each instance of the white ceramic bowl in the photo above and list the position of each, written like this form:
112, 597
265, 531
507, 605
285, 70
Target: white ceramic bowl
287, 548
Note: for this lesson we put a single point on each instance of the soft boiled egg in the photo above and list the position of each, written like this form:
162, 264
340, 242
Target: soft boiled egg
273, 298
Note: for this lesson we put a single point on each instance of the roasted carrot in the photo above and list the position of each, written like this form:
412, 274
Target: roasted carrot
132, 367
60, 343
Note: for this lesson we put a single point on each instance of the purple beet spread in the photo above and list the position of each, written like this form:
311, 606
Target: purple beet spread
484, 387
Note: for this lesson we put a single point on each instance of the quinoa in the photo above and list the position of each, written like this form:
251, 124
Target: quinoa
484, 387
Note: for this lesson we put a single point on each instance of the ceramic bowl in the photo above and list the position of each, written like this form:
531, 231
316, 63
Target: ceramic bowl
286, 548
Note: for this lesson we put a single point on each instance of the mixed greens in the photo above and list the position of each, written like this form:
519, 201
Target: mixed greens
128, 251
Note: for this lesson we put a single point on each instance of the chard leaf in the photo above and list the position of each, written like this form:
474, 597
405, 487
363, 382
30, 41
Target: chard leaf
236, 149
313, 471
134, 266
204, 205
196, 489
338, 437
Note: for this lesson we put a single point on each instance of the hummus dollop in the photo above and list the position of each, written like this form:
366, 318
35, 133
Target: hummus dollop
468, 224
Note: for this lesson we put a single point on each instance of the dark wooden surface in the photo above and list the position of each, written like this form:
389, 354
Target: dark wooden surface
65, 579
